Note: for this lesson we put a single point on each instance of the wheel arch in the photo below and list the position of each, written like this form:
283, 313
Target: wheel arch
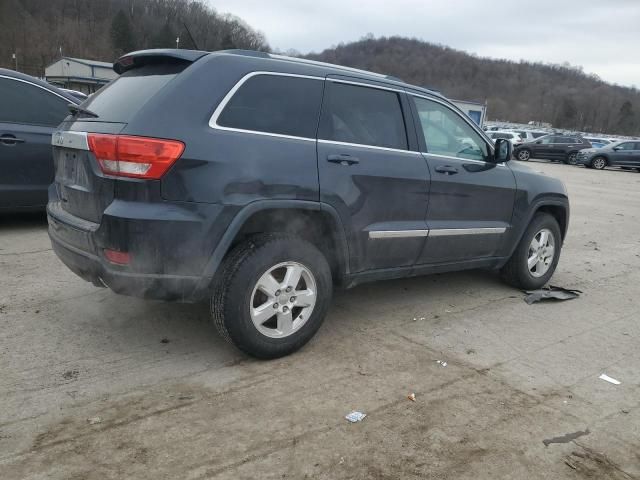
315, 222
557, 208
559, 212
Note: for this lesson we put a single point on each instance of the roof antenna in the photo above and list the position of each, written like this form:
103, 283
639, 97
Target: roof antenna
190, 36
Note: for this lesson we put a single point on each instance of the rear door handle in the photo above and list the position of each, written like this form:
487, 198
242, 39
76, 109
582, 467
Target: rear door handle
343, 159
446, 169
8, 139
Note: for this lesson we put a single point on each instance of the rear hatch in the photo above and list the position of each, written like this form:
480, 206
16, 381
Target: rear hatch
83, 190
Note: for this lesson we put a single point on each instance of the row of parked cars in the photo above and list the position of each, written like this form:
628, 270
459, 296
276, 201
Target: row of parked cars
572, 149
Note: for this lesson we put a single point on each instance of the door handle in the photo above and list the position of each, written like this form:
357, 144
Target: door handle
8, 139
343, 159
446, 169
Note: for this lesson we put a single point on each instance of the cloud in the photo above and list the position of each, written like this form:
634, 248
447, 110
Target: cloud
599, 36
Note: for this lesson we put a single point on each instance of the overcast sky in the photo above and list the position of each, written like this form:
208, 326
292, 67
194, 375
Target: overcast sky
602, 36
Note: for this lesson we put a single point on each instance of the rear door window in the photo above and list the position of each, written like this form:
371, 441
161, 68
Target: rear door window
122, 98
26, 103
277, 104
362, 115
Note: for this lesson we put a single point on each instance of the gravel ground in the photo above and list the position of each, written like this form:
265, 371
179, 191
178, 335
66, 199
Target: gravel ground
98, 386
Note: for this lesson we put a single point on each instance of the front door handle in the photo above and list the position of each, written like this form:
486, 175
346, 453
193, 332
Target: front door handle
8, 139
446, 169
343, 159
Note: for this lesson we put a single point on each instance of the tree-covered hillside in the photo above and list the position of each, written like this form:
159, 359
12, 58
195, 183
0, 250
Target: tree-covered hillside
517, 91
40, 30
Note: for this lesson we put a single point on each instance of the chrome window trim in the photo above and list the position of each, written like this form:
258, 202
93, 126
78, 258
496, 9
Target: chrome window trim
468, 121
36, 85
437, 232
213, 121
398, 233
446, 232
69, 139
362, 145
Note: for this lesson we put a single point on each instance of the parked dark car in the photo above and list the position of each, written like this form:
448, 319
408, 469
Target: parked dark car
259, 182
625, 154
562, 148
30, 111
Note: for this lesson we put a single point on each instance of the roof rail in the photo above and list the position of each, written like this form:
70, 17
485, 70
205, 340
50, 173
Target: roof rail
332, 65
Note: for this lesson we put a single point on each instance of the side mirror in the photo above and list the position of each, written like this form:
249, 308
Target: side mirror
503, 150
539, 142
617, 148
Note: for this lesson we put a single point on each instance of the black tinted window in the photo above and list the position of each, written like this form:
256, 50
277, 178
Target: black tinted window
119, 100
537, 134
275, 104
28, 104
363, 115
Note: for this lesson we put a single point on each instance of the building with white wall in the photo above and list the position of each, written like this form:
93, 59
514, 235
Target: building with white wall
78, 74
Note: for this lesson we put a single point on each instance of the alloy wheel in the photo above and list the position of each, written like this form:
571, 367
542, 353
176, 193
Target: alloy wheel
283, 299
541, 253
524, 155
573, 158
599, 163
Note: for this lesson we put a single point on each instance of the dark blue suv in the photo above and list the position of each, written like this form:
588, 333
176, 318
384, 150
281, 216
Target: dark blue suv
260, 182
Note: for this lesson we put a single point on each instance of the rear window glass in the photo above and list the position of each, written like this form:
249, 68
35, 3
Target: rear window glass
537, 134
275, 104
121, 99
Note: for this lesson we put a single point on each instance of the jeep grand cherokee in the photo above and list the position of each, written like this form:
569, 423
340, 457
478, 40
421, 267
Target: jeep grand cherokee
259, 182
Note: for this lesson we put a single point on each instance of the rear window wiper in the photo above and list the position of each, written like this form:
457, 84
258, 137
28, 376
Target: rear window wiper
76, 109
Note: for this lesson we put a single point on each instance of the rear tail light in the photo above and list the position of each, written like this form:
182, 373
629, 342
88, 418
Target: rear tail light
136, 157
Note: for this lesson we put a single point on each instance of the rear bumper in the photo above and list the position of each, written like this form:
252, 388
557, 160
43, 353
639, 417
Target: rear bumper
156, 244
151, 286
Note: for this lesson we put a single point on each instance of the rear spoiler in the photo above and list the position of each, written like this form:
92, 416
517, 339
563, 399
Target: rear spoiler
161, 55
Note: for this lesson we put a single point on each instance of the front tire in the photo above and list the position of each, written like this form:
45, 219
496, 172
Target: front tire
524, 155
599, 163
572, 158
535, 259
272, 295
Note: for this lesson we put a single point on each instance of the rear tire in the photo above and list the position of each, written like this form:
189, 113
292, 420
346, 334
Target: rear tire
254, 282
599, 163
518, 271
